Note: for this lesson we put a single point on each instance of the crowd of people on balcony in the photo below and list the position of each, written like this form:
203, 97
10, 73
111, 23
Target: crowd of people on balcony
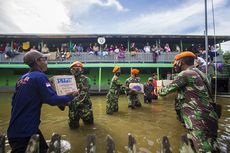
66, 50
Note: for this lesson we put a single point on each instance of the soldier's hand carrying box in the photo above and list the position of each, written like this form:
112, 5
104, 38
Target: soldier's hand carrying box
63, 84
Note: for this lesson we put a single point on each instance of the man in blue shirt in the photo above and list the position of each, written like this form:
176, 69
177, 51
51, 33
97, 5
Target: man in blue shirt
32, 90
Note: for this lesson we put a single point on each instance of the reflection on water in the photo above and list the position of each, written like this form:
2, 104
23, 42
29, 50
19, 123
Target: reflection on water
148, 124
224, 125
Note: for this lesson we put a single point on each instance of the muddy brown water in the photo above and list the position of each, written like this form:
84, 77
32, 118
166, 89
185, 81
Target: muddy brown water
148, 124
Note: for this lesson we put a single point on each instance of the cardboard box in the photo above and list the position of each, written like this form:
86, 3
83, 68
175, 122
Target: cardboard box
63, 84
163, 83
137, 87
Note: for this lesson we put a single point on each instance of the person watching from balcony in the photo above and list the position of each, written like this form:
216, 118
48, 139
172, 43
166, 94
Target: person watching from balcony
32, 90
89, 49
116, 50
78, 49
96, 49
2, 48
167, 48
105, 52
33, 48
105, 48
45, 49
122, 48
9, 52
154, 53
133, 49
111, 49
147, 48
177, 48
121, 55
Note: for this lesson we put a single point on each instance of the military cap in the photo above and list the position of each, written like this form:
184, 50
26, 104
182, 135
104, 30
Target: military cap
76, 64
31, 56
135, 71
116, 69
185, 54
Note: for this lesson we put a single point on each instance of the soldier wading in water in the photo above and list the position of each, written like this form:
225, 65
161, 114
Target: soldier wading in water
197, 110
133, 97
81, 106
114, 92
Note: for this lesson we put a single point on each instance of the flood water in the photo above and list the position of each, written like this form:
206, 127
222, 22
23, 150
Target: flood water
147, 124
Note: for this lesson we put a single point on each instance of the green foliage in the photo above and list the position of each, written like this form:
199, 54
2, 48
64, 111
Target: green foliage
227, 57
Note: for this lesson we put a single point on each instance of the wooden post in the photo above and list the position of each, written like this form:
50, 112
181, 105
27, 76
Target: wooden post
131, 144
165, 145
91, 144
110, 145
2, 143
55, 144
33, 145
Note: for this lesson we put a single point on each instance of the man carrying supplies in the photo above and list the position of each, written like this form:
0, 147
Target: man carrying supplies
133, 98
197, 112
114, 92
81, 106
32, 90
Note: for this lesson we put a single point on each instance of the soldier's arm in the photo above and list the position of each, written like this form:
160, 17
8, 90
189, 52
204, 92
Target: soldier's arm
86, 84
178, 83
126, 87
83, 92
118, 82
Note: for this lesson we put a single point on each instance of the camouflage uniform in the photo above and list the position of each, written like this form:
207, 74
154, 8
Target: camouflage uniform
81, 106
133, 98
113, 95
178, 108
197, 112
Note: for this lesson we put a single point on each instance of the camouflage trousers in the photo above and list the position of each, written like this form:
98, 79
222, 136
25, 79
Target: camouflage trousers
203, 133
111, 103
80, 111
199, 142
134, 101
203, 141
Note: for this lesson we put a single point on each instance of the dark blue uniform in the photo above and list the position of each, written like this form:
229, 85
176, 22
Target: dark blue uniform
32, 90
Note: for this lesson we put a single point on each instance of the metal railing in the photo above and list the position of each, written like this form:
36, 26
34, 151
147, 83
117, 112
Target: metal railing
111, 58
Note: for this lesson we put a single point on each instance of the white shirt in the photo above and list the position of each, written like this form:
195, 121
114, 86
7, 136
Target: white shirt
200, 61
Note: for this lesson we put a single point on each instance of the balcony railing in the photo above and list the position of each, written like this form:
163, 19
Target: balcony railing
111, 58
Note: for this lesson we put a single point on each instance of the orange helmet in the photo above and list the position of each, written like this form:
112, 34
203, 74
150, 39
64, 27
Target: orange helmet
177, 56
116, 69
76, 64
185, 54
135, 71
